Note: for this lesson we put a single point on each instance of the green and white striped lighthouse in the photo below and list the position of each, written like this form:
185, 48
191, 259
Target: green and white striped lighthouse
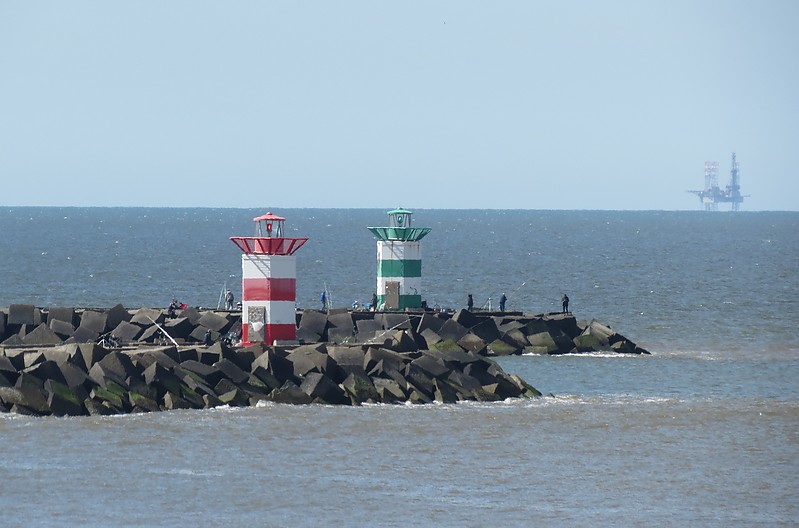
399, 262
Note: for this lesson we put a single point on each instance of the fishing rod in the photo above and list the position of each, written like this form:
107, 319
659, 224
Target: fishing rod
488, 300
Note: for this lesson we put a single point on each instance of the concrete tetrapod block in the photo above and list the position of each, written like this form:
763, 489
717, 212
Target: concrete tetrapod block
210, 375
349, 359
289, 392
432, 365
307, 335
341, 320
126, 332
313, 321
360, 389
178, 328
232, 371
473, 343
116, 315
61, 400
306, 358
62, 329
42, 335
91, 353
429, 321
85, 335
119, 366
94, 321
465, 318
192, 314
214, 321
21, 314
322, 389
486, 330
66, 315
452, 330
388, 358
146, 316
394, 321
368, 327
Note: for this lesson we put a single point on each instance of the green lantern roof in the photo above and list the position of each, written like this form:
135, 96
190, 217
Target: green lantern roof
399, 227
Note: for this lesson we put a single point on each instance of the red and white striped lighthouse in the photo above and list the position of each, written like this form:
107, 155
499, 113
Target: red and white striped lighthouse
268, 282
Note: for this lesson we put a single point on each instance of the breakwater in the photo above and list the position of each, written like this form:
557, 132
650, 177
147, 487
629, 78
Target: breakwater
483, 333
52, 362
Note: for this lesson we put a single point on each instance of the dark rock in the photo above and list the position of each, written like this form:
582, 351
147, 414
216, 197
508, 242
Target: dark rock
389, 391
142, 403
340, 335
429, 322
157, 375
349, 359
501, 348
313, 321
65, 315
45, 370
543, 339
172, 401
433, 366
401, 341
452, 330
473, 343
178, 328
367, 328
360, 388
85, 335
62, 329
486, 330
443, 392
146, 316
307, 358
307, 335
214, 321
272, 369
341, 320
388, 357
465, 318
210, 375
119, 366
394, 321
22, 314
91, 353
30, 393
61, 400
588, 343
289, 392
42, 335
232, 371
322, 389
126, 332
447, 345
234, 397
116, 315
192, 314
93, 321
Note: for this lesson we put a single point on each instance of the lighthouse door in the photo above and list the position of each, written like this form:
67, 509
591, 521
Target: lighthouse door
392, 295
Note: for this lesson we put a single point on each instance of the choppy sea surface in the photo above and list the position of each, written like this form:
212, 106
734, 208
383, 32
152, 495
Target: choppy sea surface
705, 432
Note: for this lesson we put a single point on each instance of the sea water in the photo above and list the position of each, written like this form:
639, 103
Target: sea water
703, 432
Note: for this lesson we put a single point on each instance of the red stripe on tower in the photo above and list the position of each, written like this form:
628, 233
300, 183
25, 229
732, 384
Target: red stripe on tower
268, 289
268, 282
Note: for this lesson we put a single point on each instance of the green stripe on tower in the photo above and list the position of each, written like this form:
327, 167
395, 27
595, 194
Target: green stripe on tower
399, 268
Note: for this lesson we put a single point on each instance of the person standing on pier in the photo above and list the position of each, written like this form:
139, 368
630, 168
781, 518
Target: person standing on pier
565, 302
502, 301
323, 300
469, 302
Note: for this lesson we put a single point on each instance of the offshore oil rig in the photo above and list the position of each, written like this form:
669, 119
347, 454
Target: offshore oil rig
713, 195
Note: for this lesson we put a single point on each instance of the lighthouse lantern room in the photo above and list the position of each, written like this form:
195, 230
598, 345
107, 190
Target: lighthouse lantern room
399, 262
268, 282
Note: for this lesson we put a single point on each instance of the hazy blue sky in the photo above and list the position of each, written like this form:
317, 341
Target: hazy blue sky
510, 104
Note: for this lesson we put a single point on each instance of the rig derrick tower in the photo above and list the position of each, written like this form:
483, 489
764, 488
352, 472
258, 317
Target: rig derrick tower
712, 195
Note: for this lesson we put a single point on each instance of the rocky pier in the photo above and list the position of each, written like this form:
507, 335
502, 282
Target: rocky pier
52, 361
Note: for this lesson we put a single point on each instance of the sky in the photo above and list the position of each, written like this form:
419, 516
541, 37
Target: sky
573, 104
